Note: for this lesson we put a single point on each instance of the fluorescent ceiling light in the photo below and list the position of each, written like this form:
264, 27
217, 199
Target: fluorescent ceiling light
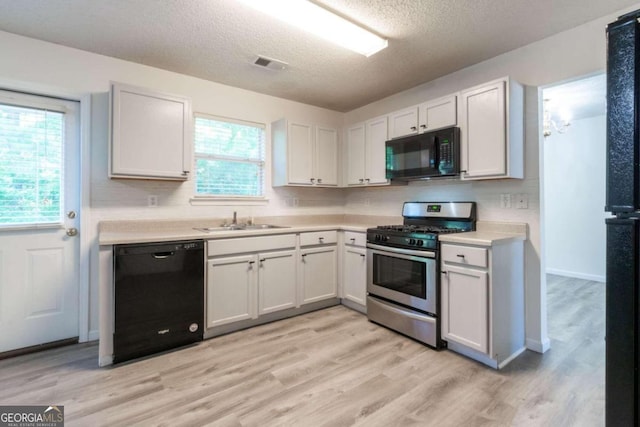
314, 19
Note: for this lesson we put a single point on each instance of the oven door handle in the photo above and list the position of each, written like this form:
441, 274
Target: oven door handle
389, 249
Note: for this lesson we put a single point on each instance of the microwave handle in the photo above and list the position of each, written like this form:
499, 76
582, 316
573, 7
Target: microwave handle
436, 144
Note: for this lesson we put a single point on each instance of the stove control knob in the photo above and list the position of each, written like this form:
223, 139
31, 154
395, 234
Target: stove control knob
412, 241
386, 238
377, 237
420, 242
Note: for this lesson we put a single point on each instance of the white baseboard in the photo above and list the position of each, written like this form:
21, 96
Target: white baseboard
538, 346
577, 275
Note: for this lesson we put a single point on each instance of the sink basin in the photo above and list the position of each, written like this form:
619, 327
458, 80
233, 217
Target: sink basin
238, 227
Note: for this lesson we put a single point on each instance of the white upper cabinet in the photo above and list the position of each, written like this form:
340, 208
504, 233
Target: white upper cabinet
403, 122
366, 161
491, 129
375, 165
426, 117
437, 114
355, 154
304, 154
326, 156
150, 134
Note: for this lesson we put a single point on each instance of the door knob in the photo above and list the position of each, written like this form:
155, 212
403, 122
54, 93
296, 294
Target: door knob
71, 214
72, 232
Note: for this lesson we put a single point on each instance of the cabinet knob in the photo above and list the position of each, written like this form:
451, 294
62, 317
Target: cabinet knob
321, 239
413, 128
319, 180
362, 255
312, 180
353, 239
460, 256
361, 180
185, 173
444, 272
367, 179
423, 126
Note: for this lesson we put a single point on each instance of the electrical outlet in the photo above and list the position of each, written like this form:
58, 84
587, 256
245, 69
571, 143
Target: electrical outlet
522, 201
367, 201
505, 201
152, 201
295, 201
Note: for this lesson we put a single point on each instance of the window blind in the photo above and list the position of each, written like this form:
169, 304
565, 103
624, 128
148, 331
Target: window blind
31, 165
229, 157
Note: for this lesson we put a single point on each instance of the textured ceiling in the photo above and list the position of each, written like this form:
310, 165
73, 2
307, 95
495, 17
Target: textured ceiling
218, 40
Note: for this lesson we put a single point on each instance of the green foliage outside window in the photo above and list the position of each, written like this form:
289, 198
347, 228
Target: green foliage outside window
229, 158
31, 146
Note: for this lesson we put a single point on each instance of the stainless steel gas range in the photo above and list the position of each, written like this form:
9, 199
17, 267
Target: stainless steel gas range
403, 267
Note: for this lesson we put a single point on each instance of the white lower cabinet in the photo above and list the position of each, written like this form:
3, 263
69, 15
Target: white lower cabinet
231, 289
482, 301
244, 284
318, 266
354, 268
464, 307
276, 281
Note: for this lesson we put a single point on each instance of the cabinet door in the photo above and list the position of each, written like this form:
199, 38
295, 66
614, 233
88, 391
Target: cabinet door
355, 154
150, 134
438, 114
276, 281
319, 273
300, 153
465, 308
355, 274
403, 123
375, 165
483, 128
231, 289
326, 154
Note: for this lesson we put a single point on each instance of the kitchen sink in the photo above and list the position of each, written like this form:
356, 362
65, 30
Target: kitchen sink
233, 227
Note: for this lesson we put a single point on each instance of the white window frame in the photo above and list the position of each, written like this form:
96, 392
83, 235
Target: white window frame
212, 199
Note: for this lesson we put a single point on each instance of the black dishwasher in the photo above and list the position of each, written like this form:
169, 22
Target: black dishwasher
159, 297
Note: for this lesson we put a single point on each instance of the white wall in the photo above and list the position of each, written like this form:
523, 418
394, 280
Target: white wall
574, 176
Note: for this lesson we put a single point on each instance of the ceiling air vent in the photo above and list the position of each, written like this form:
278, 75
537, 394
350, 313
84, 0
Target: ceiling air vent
270, 63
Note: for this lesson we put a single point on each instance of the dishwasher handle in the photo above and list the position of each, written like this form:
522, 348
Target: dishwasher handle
163, 255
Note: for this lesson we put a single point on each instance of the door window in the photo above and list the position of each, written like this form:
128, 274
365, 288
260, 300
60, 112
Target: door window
31, 165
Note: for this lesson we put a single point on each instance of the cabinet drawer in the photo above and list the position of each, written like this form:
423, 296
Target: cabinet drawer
318, 238
355, 239
466, 255
250, 244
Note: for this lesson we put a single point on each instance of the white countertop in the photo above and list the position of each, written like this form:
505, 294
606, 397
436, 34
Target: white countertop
123, 232
489, 234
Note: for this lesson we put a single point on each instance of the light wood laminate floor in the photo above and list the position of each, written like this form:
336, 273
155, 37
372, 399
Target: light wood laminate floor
331, 368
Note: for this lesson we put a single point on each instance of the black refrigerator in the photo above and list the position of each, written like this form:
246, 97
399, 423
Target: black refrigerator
623, 230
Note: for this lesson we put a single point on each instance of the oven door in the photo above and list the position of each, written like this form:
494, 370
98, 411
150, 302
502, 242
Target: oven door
405, 276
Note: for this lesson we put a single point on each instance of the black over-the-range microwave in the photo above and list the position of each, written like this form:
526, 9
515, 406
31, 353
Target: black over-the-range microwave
424, 156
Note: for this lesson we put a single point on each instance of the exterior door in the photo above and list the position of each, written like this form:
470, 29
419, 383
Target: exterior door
39, 220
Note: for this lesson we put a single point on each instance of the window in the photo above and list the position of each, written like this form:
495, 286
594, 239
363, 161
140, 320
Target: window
31, 164
229, 157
